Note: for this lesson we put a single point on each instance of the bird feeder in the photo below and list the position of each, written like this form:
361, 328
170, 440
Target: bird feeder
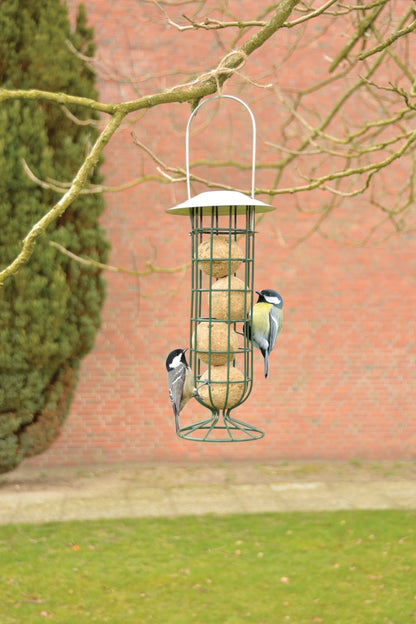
222, 253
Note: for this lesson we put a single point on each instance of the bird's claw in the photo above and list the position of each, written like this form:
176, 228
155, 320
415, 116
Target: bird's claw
196, 391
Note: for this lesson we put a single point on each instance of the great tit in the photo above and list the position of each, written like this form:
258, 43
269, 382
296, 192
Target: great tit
263, 326
180, 382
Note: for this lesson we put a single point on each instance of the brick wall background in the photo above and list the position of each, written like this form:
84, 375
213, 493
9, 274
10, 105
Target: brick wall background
342, 380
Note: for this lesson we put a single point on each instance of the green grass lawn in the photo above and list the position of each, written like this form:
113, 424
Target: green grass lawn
355, 567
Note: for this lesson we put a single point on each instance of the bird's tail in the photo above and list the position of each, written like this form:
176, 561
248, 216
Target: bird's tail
266, 363
176, 421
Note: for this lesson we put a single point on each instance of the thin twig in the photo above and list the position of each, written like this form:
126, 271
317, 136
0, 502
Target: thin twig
150, 267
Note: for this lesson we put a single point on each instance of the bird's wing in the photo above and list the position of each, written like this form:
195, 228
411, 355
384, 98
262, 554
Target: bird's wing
247, 329
176, 380
274, 327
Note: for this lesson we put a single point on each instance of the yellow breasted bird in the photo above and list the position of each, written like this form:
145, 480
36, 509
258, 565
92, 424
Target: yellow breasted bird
264, 325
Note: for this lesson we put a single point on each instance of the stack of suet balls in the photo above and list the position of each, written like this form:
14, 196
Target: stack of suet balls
215, 340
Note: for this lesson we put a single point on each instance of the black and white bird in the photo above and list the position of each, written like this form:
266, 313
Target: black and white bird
264, 325
180, 382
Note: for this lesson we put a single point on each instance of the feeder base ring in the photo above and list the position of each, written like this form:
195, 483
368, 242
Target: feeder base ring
229, 429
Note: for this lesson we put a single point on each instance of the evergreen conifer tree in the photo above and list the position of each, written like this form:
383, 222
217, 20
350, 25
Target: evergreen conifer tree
50, 310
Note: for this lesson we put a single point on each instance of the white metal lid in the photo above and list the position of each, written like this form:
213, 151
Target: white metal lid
223, 201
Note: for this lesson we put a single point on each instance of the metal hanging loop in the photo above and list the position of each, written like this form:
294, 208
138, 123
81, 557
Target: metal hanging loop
253, 123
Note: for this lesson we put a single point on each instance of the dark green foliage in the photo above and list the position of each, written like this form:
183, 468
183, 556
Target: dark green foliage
50, 310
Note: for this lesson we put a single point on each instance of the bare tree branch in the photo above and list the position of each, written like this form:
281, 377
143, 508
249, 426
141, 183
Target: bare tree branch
363, 26
324, 146
150, 267
79, 182
311, 15
387, 42
210, 84
58, 98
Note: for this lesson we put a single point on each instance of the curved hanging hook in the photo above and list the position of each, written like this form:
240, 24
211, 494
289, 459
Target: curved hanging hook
253, 122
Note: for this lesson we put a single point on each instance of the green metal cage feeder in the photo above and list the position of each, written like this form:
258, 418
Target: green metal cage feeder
223, 236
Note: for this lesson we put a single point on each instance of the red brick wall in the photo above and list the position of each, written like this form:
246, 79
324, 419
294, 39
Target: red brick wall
342, 380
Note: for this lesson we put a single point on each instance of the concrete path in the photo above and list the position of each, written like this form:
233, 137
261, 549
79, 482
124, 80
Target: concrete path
30, 495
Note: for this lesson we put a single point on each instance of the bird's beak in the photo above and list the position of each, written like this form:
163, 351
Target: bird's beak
258, 292
184, 350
